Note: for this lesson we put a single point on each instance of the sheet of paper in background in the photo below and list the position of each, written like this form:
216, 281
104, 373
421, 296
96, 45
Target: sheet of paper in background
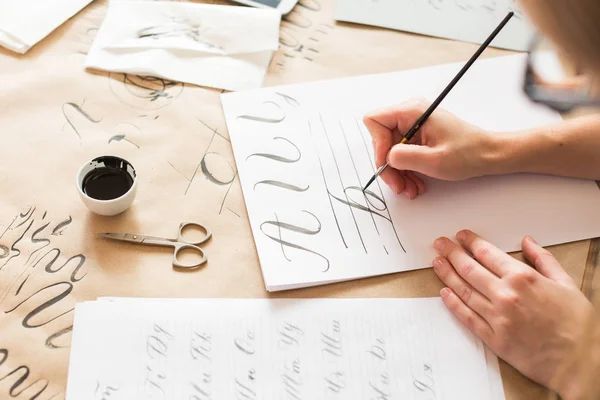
279, 348
465, 20
224, 47
303, 156
23, 23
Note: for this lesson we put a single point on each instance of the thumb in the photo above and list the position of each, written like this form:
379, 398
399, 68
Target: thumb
412, 157
545, 263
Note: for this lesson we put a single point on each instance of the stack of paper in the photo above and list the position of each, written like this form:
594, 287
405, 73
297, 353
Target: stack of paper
304, 155
277, 349
225, 47
23, 23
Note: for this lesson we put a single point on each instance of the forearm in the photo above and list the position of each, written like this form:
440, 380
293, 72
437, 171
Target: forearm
569, 148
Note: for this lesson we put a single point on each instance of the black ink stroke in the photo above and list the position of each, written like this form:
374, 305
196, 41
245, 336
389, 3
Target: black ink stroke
203, 165
342, 182
44, 305
29, 214
34, 239
337, 223
24, 374
210, 176
118, 138
226, 193
297, 229
50, 340
59, 229
357, 178
13, 248
79, 109
382, 198
282, 185
9, 226
180, 28
179, 172
269, 120
290, 100
275, 157
144, 92
215, 131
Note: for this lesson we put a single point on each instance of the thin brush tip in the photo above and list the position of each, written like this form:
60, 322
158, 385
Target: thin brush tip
369, 183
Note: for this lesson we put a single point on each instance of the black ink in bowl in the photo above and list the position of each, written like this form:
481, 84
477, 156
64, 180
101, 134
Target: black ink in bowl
111, 178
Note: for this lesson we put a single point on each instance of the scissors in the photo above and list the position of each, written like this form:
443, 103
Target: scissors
179, 243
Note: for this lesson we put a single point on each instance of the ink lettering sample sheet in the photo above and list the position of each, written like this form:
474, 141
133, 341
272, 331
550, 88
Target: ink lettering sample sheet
466, 20
277, 349
225, 47
303, 156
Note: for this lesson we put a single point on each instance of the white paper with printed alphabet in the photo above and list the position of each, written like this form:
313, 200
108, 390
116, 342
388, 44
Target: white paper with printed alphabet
23, 23
276, 349
303, 156
465, 20
225, 47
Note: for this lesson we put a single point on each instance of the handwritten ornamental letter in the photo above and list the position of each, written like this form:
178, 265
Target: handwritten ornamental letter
303, 156
127, 349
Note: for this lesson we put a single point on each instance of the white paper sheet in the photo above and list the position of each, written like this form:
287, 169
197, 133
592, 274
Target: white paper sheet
303, 156
465, 20
23, 23
276, 349
225, 47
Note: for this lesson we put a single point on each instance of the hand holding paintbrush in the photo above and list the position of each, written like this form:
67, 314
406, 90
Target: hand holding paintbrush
421, 120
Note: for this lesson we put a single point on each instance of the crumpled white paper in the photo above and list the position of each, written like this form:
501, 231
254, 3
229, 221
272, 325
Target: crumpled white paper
225, 47
23, 23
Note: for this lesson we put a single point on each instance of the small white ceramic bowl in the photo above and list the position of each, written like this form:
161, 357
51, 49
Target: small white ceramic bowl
113, 206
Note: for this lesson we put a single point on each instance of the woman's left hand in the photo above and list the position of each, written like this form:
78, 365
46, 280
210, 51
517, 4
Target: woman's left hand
531, 318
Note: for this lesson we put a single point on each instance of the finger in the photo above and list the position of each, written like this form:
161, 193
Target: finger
418, 181
545, 263
471, 271
412, 157
471, 297
382, 140
467, 316
394, 179
487, 254
410, 188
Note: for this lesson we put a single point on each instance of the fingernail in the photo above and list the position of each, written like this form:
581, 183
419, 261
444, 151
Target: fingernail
439, 244
437, 263
461, 235
395, 188
444, 293
530, 239
408, 195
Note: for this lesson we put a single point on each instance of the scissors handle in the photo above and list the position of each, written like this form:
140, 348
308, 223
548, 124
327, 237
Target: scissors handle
183, 246
180, 238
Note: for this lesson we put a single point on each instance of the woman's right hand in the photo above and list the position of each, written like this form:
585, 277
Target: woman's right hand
445, 147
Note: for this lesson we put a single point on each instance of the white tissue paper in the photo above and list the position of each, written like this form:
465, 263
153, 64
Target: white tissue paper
225, 47
23, 23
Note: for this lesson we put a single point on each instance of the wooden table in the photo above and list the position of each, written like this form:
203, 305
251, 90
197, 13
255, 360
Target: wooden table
55, 116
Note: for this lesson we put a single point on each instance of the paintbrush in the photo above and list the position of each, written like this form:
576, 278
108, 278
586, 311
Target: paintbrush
442, 95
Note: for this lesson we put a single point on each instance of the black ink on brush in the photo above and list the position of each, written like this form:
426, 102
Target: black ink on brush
109, 182
417, 125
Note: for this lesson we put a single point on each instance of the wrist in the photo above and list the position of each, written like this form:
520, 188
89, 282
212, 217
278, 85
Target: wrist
515, 152
577, 379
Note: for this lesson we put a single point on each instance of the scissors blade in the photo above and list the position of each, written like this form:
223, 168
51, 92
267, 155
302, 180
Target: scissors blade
126, 237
